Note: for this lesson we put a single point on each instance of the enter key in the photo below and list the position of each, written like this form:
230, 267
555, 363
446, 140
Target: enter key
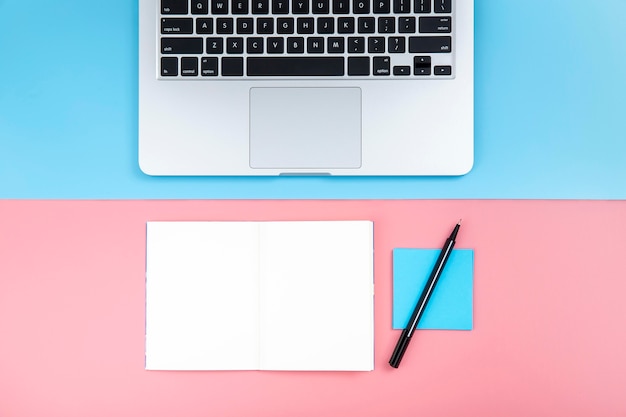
439, 24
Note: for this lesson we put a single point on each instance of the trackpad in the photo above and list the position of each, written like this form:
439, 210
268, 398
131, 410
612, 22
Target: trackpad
305, 128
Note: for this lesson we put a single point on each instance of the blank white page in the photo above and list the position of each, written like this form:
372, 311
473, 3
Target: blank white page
202, 295
316, 292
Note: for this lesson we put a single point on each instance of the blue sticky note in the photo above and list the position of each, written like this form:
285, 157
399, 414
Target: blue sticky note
451, 304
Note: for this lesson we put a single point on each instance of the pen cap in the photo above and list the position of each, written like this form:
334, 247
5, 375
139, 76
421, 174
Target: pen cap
401, 346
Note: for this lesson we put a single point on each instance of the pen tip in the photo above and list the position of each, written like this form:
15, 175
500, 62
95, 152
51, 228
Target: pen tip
459, 223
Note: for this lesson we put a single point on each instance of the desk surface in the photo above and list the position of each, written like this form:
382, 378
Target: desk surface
548, 340
550, 94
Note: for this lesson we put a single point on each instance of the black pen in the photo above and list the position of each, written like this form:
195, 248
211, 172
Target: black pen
407, 333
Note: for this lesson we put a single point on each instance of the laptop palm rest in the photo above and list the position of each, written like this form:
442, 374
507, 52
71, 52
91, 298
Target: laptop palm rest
305, 128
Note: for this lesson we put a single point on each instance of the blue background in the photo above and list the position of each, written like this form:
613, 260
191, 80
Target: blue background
550, 103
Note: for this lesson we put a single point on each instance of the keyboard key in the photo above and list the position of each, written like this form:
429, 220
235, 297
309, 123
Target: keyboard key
422, 6
305, 25
285, 25
169, 66
386, 25
345, 25
214, 45
359, 65
336, 45
265, 26
441, 24
443, 6
366, 25
189, 66
260, 6
255, 45
401, 6
430, 44
300, 7
199, 7
356, 45
225, 26
396, 44
402, 70
295, 45
361, 6
275, 45
382, 6
232, 66
423, 61
381, 65
315, 45
174, 6
179, 26
204, 26
421, 65
341, 6
181, 46
208, 66
245, 26
376, 45
280, 6
219, 6
321, 6
325, 25
234, 45
406, 24
295, 66
443, 70
239, 6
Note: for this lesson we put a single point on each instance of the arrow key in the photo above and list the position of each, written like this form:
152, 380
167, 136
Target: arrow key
443, 70
401, 70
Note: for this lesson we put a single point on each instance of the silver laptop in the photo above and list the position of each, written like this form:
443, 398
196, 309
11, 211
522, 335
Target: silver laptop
298, 87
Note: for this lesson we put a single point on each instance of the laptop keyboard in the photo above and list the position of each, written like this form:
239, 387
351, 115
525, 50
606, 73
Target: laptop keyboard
264, 39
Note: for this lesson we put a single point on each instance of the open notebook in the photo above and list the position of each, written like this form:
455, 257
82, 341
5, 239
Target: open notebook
259, 295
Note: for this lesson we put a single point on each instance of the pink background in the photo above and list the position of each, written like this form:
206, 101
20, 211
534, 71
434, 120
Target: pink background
549, 307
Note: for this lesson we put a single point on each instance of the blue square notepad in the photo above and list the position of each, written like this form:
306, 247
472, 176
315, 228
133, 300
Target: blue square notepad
451, 304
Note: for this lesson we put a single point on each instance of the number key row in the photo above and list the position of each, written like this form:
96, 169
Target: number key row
221, 7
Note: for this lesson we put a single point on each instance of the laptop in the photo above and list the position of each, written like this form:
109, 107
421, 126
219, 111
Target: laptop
306, 87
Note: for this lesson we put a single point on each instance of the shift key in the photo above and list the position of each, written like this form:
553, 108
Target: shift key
430, 44
182, 46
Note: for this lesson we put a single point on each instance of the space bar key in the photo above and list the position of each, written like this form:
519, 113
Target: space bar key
295, 66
